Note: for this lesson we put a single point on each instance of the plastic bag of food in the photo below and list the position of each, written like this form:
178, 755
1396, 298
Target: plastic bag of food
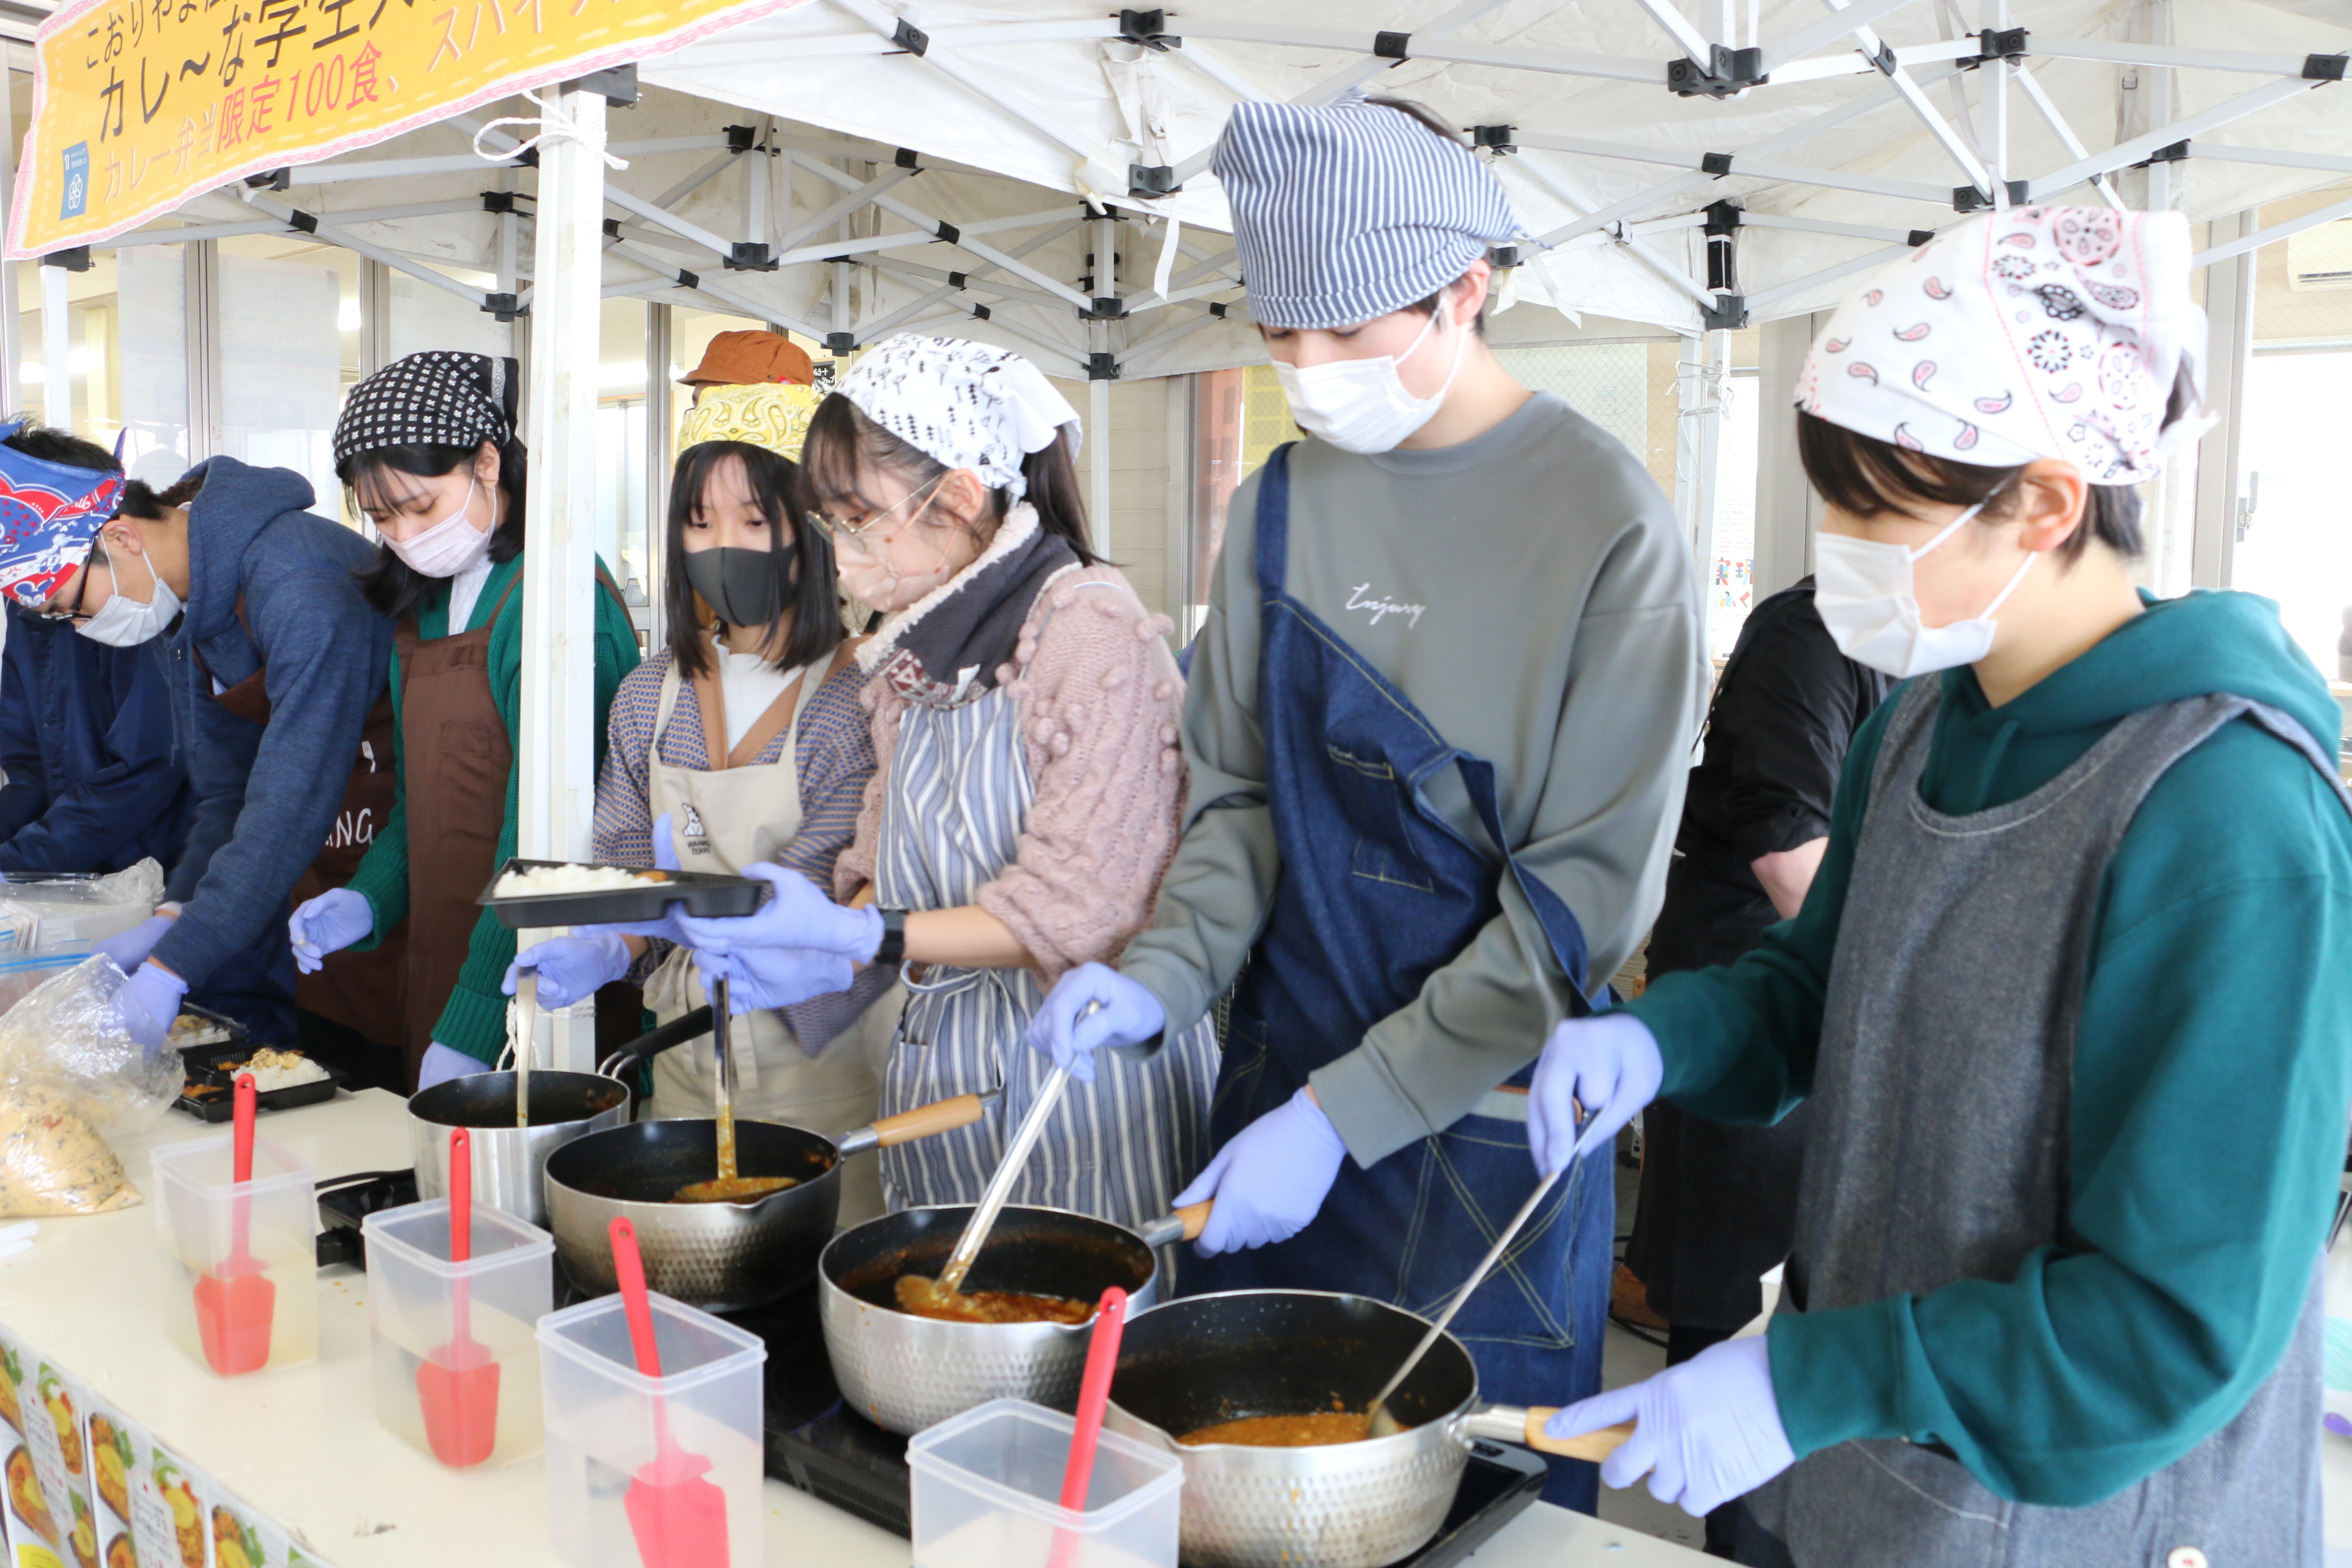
66, 1036
63, 909
52, 1161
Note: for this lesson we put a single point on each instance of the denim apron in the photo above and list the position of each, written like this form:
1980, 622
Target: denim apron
1377, 892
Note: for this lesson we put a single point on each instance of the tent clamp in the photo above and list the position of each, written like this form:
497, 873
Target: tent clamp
1217, 308
2006, 43
1149, 180
1918, 236
74, 260
2325, 68
617, 85
612, 228
1102, 365
1148, 28
905, 158
1104, 309
741, 138
1968, 199
1723, 220
2176, 152
750, 256
270, 180
306, 223
981, 312
1727, 314
1391, 46
1497, 138
499, 202
958, 280
505, 307
912, 39
1502, 257
689, 279
841, 343
1728, 73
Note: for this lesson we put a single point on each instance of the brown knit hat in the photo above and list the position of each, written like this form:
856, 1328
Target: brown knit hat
748, 359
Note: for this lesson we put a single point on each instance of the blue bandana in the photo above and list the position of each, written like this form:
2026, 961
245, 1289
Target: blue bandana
48, 514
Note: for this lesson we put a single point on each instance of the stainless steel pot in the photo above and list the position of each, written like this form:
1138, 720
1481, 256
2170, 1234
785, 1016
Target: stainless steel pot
718, 1256
907, 1372
509, 1161
1208, 1359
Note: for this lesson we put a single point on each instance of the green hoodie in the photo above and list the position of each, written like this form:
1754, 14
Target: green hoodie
2212, 1073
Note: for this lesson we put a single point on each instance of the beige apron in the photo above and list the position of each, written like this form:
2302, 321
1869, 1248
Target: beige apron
736, 815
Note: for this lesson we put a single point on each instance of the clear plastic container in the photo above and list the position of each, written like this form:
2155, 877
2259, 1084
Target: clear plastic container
988, 1488
227, 1235
470, 1398
607, 1426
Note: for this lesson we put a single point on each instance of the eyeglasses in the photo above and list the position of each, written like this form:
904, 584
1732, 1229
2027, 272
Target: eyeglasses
836, 529
81, 587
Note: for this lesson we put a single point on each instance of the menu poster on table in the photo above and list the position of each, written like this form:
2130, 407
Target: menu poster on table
37, 1511
188, 1495
135, 1528
236, 1537
66, 1397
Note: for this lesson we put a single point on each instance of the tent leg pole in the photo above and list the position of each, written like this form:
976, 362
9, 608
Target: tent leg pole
1098, 462
57, 350
556, 749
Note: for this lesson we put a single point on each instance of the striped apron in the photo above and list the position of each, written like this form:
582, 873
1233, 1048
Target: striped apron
956, 800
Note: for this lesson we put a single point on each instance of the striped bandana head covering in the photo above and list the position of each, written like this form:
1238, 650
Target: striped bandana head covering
965, 405
438, 397
1351, 210
2040, 332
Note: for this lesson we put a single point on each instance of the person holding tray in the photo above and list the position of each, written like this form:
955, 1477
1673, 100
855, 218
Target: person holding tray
740, 745
1029, 789
428, 446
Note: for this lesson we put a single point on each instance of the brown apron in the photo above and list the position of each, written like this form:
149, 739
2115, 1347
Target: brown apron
456, 756
361, 991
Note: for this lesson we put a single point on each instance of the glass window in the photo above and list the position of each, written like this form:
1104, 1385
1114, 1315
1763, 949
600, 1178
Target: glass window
154, 361
427, 317
93, 357
621, 534
1238, 417
281, 361
1732, 582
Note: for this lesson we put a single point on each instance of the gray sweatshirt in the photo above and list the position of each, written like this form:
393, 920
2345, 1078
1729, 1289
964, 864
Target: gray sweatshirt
1529, 592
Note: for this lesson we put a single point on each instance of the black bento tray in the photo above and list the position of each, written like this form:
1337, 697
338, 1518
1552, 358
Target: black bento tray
703, 893
216, 1065
815, 1443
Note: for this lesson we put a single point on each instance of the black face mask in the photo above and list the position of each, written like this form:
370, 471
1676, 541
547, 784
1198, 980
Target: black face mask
739, 584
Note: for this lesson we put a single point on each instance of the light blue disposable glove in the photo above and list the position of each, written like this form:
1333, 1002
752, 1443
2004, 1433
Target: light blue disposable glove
665, 929
1128, 1015
1705, 1432
441, 1064
797, 914
1609, 1064
570, 967
130, 949
149, 1002
1270, 1180
327, 923
763, 978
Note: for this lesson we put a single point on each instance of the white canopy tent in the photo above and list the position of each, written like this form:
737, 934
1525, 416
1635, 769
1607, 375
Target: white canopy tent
1034, 173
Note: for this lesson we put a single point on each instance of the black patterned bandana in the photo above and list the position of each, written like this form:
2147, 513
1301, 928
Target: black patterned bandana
436, 398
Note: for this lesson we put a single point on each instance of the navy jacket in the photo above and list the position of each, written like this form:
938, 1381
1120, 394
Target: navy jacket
264, 796
95, 782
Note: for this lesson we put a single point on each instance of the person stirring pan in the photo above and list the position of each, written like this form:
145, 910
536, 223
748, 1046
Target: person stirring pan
2053, 1299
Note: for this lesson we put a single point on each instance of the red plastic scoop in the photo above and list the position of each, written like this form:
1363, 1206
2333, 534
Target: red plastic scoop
457, 1385
679, 1520
1093, 1393
235, 1301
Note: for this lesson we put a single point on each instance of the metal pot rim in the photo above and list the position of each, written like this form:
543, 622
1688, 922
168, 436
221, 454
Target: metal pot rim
833, 1287
670, 1206
628, 1099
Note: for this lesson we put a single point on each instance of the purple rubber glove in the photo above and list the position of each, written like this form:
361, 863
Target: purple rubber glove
764, 977
1705, 1432
148, 1003
441, 1064
327, 923
130, 949
1270, 1179
665, 929
1063, 1030
570, 968
797, 915
1609, 1064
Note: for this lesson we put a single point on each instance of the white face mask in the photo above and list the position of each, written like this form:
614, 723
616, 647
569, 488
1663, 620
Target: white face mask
1361, 405
1863, 591
122, 621
446, 548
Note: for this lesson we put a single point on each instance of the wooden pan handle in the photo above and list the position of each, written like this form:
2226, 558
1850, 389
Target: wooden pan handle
1195, 1217
924, 1121
1592, 1445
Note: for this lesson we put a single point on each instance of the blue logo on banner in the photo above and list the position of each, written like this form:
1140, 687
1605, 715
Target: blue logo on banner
76, 180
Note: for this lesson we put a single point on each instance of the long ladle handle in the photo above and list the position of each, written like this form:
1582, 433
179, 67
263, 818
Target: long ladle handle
1000, 1185
1478, 1276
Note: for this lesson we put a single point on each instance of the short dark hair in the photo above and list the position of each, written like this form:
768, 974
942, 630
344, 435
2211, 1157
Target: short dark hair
1865, 477
841, 437
387, 582
61, 446
141, 501
812, 595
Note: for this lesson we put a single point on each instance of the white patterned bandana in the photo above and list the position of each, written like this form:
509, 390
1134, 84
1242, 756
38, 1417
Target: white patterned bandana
2039, 332
438, 397
963, 404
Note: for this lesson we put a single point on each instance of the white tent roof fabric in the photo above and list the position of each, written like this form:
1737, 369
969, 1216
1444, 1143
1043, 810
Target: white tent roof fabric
1021, 110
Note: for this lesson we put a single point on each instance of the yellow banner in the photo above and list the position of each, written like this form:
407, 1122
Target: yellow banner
140, 104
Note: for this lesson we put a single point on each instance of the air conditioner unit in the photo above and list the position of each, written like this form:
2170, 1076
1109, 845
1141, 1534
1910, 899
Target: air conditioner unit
2321, 256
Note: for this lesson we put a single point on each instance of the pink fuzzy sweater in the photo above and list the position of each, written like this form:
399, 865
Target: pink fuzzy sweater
1098, 708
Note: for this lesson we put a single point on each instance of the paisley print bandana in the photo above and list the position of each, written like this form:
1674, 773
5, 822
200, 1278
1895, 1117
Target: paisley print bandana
965, 405
2040, 332
771, 414
48, 514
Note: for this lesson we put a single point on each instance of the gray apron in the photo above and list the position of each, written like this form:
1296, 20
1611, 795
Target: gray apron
1941, 1104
